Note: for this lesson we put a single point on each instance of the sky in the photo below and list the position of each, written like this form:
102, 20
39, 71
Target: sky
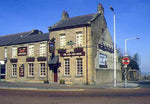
132, 20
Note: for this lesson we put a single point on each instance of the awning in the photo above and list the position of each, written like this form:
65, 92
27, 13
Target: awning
54, 60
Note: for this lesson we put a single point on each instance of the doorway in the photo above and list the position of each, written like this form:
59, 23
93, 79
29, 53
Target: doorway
2, 72
55, 75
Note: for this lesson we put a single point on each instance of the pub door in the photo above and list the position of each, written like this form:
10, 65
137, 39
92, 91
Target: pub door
55, 74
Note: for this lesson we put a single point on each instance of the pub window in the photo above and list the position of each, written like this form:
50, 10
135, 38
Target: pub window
62, 41
14, 52
79, 67
42, 70
31, 50
78, 39
42, 49
30, 69
14, 70
67, 67
5, 52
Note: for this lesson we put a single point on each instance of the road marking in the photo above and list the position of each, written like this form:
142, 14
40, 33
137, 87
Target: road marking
35, 89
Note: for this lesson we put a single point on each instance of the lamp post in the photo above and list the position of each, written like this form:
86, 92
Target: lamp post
125, 83
111, 8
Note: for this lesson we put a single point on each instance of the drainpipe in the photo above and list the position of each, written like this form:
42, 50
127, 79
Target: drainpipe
47, 58
86, 57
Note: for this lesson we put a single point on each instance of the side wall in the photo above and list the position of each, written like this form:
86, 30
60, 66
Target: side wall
101, 35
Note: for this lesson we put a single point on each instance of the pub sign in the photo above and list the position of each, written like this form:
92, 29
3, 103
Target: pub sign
22, 51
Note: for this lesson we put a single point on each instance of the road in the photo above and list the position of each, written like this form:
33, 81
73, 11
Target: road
86, 96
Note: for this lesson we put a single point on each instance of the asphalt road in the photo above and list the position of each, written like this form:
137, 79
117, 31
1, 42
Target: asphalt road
87, 96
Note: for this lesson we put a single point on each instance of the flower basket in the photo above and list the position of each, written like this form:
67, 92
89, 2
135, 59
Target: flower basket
78, 49
14, 60
61, 51
62, 81
30, 59
41, 58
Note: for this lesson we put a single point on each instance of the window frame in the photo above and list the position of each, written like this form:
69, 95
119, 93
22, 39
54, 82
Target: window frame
31, 69
31, 50
43, 49
67, 67
62, 40
42, 70
79, 63
79, 39
14, 70
14, 52
5, 54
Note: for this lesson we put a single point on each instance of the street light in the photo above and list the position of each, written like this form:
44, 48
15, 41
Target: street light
126, 44
111, 8
125, 83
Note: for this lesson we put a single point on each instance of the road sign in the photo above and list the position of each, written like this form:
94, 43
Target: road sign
125, 60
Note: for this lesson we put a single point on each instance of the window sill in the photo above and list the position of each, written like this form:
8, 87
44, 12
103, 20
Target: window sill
42, 76
67, 76
14, 76
78, 76
30, 76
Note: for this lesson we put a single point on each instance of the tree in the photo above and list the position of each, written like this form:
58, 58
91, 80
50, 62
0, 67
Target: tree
137, 59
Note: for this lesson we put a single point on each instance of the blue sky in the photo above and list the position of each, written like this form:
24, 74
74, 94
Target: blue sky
132, 19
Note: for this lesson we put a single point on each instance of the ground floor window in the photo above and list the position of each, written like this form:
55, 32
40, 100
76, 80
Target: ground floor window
79, 67
67, 67
30, 69
14, 70
42, 70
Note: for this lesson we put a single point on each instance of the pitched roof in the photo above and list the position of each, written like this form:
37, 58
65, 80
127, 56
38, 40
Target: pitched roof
22, 38
74, 21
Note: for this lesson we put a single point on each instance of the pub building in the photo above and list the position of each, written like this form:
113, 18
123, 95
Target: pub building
82, 50
77, 50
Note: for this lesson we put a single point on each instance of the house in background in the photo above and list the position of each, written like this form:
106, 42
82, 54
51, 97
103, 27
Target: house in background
82, 50
24, 56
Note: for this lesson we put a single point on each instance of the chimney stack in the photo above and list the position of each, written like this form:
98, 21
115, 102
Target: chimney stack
100, 9
65, 15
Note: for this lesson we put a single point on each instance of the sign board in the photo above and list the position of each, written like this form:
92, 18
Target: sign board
21, 70
103, 60
125, 60
22, 51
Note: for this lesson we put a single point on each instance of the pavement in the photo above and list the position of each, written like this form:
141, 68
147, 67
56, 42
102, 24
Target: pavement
61, 87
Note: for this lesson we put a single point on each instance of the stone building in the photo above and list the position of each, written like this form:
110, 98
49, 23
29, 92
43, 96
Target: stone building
82, 50
77, 50
24, 57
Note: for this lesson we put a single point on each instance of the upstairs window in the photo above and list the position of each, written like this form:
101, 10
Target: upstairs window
31, 50
62, 41
5, 52
42, 49
79, 39
14, 52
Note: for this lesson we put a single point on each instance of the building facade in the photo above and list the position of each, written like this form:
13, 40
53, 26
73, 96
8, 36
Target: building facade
24, 57
77, 50
84, 49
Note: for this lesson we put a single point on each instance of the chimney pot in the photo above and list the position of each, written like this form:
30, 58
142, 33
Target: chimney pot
65, 15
